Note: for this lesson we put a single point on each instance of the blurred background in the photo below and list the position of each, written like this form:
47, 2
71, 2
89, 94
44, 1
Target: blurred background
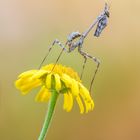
28, 27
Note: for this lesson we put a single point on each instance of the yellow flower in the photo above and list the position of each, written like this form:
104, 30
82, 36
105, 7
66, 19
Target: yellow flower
63, 80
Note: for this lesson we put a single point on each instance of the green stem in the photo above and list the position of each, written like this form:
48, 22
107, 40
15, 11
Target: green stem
49, 115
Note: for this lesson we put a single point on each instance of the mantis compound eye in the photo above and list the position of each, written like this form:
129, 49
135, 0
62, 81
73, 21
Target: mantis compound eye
106, 10
107, 14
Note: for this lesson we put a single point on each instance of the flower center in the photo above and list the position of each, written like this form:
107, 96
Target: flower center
59, 69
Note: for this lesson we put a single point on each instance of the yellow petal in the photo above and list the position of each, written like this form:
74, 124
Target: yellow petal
27, 73
67, 80
23, 81
84, 92
18, 83
92, 105
57, 82
49, 81
75, 88
87, 106
65, 105
70, 105
39, 74
86, 98
81, 106
68, 102
85, 101
43, 95
27, 87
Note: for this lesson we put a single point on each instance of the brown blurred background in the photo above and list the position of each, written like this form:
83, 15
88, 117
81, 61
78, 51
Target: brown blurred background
27, 27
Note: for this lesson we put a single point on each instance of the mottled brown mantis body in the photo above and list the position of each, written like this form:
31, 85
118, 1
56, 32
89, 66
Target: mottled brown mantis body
101, 22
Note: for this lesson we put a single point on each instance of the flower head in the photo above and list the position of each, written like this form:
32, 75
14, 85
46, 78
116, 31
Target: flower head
63, 80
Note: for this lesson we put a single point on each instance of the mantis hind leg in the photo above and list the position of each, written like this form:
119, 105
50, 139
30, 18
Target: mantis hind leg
97, 61
85, 60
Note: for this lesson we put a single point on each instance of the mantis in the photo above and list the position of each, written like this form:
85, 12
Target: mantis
101, 22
